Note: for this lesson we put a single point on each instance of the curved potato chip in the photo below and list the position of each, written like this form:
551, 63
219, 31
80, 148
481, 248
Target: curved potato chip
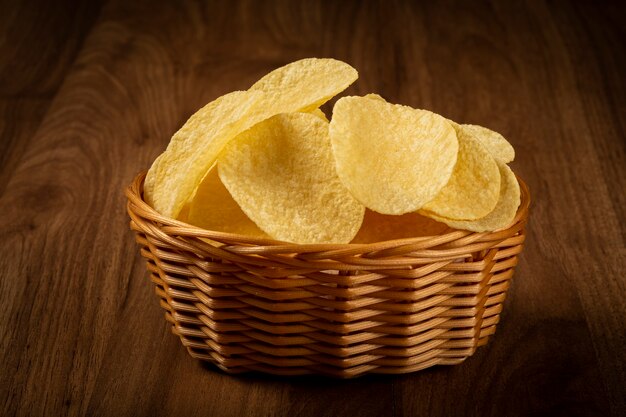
504, 212
300, 86
496, 144
380, 227
392, 158
177, 172
282, 174
305, 84
213, 208
474, 186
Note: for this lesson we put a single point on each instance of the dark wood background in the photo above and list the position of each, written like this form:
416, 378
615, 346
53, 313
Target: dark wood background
90, 93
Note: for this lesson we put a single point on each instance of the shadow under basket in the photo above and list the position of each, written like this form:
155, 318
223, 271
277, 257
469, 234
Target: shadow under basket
252, 304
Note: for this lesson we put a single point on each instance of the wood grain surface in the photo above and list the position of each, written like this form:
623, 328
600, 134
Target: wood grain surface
90, 93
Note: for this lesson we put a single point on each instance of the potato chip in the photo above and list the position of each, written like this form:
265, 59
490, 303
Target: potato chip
177, 172
495, 143
380, 227
474, 186
305, 84
392, 158
504, 212
300, 86
213, 208
282, 174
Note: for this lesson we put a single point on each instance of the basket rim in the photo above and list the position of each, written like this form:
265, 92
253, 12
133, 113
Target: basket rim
137, 204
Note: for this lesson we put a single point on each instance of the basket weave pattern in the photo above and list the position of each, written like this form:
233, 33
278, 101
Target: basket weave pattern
250, 304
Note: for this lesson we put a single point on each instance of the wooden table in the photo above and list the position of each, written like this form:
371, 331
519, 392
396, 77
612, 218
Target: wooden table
92, 91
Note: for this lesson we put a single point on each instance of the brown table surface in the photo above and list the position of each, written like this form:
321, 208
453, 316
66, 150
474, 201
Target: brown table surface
91, 93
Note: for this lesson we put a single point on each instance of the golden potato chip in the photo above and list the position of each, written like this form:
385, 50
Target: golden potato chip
213, 208
495, 143
300, 86
378, 227
474, 186
282, 174
392, 158
305, 84
177, 172
504, 212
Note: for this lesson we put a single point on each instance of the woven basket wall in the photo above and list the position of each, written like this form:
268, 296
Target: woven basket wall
248, 304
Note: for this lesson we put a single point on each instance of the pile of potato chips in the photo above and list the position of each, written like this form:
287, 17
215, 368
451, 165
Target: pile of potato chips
266, 162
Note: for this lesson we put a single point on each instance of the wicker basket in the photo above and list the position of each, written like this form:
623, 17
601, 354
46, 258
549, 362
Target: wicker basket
250, 304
